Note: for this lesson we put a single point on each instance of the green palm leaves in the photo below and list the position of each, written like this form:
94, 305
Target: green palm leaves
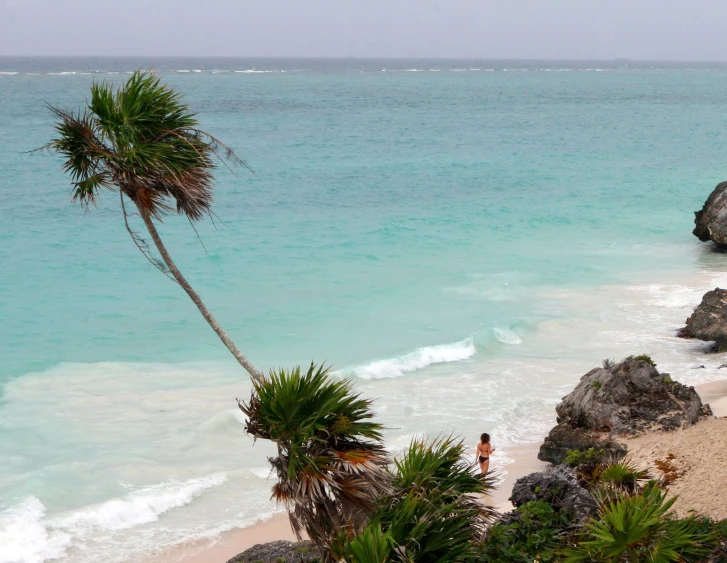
142, 139
331, 463
639, 529
435, 512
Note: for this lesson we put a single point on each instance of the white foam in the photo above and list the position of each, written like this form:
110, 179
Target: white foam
672, 297
140, 507
254, 71
6, 73
263, 473
506, 336
419, 359
183, 70
65, 73
25, 539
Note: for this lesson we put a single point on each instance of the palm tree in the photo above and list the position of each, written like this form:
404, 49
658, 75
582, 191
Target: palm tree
331, 463
143, 141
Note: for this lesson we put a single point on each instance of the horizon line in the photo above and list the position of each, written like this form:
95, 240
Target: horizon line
364, 58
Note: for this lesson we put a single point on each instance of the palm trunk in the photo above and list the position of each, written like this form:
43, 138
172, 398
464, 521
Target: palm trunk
243, 361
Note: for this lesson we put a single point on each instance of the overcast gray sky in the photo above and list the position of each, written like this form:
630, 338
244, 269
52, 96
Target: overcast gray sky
574, 29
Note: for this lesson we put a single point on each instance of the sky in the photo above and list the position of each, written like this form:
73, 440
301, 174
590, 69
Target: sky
691, 30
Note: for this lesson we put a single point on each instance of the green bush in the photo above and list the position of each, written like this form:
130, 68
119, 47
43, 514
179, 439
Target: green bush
642, 358
535, 535
596, 385
574, 458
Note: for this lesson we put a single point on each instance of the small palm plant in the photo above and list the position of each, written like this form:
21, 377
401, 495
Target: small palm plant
639, 528
442, 466
612, 479
434, 513
143, 141
331, 463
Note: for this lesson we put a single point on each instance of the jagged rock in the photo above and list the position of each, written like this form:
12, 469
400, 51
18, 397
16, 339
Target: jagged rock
279, 552
622, 399
711, 221
558, 487
709, 320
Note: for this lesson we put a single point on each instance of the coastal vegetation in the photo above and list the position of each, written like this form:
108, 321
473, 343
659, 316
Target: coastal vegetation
359, 506
142, 141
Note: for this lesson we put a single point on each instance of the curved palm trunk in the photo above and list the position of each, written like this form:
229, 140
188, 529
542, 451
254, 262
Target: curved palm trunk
243, 361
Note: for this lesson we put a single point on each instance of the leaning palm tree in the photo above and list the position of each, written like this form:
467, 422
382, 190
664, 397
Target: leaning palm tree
142, 141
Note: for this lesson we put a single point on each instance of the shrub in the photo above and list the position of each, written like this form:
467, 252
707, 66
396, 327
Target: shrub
432, 514
596, 385
608, 363
642, 358
574, 458
612, 478
535, 533
640, 528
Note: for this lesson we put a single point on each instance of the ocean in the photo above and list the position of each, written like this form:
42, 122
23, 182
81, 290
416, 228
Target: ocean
462, 239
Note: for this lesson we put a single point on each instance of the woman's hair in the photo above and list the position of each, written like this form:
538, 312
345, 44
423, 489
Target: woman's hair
485, 438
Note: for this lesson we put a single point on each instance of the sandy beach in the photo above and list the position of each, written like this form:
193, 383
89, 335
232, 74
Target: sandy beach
697, 452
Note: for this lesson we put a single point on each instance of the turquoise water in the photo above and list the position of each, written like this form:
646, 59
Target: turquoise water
437, 230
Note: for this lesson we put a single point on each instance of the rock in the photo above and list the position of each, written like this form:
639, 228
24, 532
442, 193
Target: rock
558, 487
711, 221
709, 320
279, 552
619, 400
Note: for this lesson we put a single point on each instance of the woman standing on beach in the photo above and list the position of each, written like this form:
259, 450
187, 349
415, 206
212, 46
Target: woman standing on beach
484, 450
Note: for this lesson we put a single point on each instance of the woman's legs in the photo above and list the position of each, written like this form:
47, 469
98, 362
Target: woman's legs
484, 466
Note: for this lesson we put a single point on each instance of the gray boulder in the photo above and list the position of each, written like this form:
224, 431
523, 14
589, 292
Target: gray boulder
617, 400
711, 221
558, 487
709, 320
279, 552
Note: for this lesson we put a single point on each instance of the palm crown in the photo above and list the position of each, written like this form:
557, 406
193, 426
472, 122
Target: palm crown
143, 140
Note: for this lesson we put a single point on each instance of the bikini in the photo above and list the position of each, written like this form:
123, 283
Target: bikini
483, 459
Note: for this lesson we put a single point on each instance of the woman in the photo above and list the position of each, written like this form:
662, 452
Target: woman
484, 450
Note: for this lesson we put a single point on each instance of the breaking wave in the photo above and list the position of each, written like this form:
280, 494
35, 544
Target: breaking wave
419, 359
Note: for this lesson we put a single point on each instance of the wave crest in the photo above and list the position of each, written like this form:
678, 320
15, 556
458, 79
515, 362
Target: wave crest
142, 506
419, 359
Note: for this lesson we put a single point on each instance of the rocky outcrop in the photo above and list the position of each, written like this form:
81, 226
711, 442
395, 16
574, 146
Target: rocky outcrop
558, 487
279, 552
618, 400
711, 221
709, 320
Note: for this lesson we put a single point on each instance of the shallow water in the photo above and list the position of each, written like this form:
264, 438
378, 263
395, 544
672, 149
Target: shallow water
464, 245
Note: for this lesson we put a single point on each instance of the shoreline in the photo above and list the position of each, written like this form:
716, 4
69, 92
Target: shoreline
277, 527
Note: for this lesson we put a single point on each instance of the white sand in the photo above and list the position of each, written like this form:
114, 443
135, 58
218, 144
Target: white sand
699, 455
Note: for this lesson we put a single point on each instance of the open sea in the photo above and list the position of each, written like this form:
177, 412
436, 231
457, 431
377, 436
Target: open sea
463, 239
